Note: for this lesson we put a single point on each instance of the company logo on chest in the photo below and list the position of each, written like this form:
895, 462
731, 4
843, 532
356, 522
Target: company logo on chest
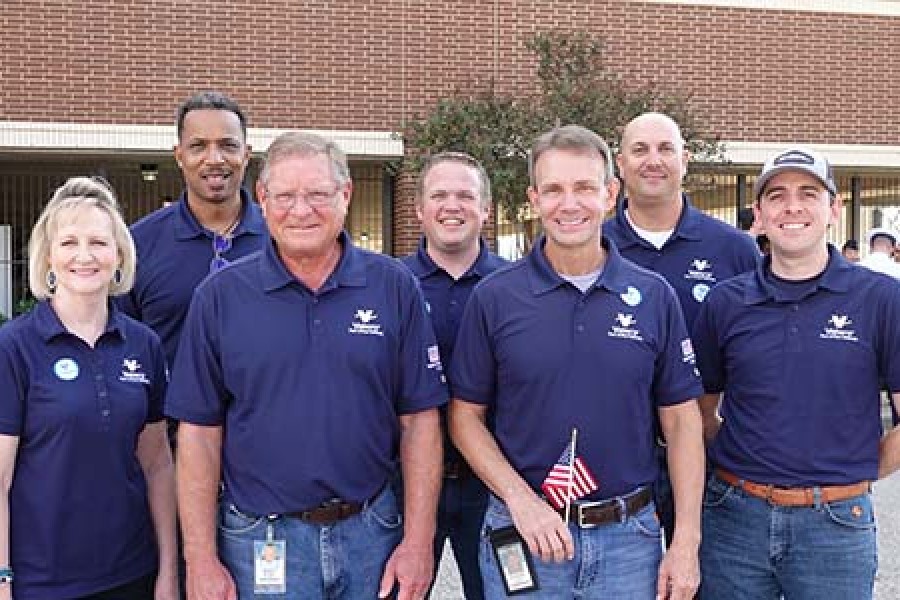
365, 322
839, 327
132, 372
625, 327
700, 269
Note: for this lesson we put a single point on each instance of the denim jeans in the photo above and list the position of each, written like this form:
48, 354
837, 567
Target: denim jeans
459, 519
752, 549
617, 561
324, 562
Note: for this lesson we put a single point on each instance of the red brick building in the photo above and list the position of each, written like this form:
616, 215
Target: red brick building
92, 85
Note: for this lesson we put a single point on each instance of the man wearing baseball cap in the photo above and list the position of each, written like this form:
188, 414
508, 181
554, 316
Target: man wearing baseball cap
792, 355
882, 243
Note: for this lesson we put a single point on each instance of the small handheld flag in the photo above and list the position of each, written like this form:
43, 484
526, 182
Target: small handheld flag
569, 479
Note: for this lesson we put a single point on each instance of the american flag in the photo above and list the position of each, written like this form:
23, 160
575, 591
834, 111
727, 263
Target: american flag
557, 484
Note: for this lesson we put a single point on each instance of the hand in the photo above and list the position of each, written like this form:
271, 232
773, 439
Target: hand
541, 527
679, 573
411, 567
208, 579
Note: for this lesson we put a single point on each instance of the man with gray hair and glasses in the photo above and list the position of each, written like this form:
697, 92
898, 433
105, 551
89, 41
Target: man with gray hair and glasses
304, 371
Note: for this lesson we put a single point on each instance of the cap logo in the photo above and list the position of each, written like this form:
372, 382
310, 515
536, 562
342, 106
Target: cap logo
794, 157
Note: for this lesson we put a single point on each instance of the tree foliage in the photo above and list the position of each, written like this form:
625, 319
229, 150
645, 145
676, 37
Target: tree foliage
575, 84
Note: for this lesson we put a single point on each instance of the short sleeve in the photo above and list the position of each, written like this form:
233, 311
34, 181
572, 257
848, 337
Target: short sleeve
473, 373
675, 379
197, 391
14, 383
421, 371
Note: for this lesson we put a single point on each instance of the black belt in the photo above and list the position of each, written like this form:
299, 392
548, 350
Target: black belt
328, 512
458, 469
612, 510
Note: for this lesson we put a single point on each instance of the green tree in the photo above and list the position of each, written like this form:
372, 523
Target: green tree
575, 85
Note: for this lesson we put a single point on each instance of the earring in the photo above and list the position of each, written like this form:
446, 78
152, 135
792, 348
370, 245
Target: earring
51, 281
117, 276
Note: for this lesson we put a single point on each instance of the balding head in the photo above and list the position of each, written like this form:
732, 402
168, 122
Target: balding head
652, 121
653, 161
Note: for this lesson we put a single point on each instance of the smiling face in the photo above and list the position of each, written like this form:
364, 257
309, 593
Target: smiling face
212, 154
452, 209
83, 252
571, 197
304, 206
794, 210
652, 160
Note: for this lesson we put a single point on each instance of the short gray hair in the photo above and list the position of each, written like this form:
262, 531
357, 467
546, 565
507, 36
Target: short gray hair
298, 143
574, 138
77, 193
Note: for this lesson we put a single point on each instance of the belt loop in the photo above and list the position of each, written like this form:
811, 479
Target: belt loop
817, 497
623, 509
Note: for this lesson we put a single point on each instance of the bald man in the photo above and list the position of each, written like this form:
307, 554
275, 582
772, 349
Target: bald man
656, 227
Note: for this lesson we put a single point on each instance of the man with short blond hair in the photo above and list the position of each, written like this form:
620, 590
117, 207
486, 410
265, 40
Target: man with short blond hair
453, 201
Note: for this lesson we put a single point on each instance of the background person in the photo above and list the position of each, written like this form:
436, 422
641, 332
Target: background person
882, 246
453, 201
87, 508
656, 227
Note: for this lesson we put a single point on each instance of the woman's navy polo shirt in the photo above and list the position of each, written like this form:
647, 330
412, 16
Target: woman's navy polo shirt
307, 385
79, 516
801, 373
548, 358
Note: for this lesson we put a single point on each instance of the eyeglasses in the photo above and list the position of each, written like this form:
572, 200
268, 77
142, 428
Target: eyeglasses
312, 198
220, 245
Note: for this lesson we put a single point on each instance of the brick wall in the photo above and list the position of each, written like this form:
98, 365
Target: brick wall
360, 64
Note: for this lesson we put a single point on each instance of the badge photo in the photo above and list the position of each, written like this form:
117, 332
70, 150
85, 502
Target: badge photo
513, 561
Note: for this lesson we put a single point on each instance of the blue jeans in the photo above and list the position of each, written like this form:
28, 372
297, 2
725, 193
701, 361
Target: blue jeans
754, 550
324, 562
459, 518
618, 560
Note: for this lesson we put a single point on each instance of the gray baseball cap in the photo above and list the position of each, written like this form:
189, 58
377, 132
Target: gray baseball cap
796, 159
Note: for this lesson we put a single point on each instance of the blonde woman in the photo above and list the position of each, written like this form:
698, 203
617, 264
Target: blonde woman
87, 504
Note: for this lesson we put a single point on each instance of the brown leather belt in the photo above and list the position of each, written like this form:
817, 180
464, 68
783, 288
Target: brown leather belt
458, 469
613, 510
784, 496
328, 513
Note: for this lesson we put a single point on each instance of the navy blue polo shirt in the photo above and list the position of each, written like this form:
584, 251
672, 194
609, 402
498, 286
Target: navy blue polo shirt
307, 385
445, 299
445, 296
701, 252
548, 358
800, 367
173, 255
79, 517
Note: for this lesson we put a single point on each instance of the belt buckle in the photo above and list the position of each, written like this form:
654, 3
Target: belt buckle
580, 507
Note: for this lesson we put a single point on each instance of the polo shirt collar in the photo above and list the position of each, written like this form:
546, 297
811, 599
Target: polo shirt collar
544, 278
350, 270
423, 265
837, 277
48, 325
188, 227
689, 225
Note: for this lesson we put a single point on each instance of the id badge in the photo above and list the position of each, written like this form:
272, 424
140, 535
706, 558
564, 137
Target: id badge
269, 562
513, 561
